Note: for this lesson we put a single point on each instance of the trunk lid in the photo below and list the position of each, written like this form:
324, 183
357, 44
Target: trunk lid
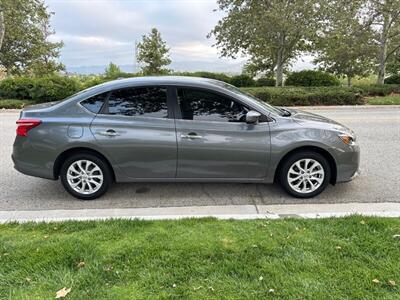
40, 106
37, 109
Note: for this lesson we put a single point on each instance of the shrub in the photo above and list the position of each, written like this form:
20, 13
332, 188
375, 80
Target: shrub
290, 96
48, 88
311, 78
92, 81
242, 81
112, 71
265, 81
379, 89
394, 79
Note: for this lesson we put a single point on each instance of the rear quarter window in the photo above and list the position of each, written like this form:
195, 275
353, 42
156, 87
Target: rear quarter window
94, 103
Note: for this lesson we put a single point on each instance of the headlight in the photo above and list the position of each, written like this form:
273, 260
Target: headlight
348, 139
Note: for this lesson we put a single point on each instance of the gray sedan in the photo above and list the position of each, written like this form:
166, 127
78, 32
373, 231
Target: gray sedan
180, 129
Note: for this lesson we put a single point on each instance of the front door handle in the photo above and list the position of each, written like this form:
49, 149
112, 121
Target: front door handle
109, 132
191, 136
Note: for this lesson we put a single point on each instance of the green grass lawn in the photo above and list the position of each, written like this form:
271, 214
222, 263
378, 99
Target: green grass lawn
371, 79
384, 100
346, 258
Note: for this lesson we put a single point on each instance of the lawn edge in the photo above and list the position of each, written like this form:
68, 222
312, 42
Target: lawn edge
236, 212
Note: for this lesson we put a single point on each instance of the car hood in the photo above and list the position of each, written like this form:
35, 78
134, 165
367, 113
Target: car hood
310, 119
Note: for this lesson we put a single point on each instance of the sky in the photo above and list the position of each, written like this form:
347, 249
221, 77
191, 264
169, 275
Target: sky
96, 32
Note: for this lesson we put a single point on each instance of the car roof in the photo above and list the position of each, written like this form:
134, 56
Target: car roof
188, 81
162, 80
207, 83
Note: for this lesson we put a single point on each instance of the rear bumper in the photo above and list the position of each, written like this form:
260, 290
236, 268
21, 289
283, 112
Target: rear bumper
31, 170
30, 161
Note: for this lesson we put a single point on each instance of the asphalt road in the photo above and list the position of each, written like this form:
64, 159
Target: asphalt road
378, 130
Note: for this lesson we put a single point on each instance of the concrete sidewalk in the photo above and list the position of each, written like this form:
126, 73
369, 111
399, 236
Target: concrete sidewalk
239, 212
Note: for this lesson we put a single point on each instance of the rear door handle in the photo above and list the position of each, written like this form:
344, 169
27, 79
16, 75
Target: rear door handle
109, 132
191, 136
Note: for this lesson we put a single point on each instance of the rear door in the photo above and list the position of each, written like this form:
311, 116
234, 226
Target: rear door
137, 129
214, 140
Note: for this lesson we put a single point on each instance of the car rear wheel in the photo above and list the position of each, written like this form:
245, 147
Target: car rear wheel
85, 176
305, 174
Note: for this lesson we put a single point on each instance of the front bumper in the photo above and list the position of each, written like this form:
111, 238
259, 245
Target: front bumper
348, 164
356, 174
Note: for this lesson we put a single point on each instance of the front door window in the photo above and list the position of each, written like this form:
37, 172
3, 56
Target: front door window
200, 105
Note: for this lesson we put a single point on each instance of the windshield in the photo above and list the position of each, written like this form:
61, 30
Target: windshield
243, 94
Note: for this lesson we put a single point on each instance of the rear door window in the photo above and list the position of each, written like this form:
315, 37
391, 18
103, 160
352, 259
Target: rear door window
139, 101
95, 103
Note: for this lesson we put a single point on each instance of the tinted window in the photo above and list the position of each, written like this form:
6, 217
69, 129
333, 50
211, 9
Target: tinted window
208, 106
94, 103
143, 101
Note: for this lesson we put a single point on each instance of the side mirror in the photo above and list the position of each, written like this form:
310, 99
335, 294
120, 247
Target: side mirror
252, 117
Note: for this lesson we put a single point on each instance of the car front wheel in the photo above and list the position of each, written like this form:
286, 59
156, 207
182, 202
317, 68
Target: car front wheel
85, 176
305, 174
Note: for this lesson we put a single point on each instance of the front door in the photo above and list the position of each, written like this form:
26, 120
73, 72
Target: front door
137, 130
214, 141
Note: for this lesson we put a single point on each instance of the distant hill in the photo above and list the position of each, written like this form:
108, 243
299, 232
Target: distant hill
218, 66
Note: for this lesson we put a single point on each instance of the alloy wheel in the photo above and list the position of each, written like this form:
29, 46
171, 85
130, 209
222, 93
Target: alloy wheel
85, 177
305, 175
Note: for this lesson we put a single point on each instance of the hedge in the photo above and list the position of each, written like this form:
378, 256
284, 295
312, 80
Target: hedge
53, 88
210, 75
394, 79
265, 81
48, 88
379, 89
242, 81
311, 78
291, 96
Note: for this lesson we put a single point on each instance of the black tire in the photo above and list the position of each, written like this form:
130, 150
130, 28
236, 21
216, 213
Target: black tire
283, 173
105, 170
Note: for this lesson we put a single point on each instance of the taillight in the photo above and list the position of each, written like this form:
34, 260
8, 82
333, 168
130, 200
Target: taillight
24, 125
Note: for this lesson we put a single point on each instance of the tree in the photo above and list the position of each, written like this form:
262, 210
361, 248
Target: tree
25, 47
257, 66
393, 64
344, 43
387, 23
154, 53
270, 32
112, 71
2, 28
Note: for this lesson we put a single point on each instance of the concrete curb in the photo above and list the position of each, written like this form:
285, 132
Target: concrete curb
237, 212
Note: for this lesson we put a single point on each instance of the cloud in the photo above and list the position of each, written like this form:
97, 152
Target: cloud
102, 27
96, 32
195, 50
